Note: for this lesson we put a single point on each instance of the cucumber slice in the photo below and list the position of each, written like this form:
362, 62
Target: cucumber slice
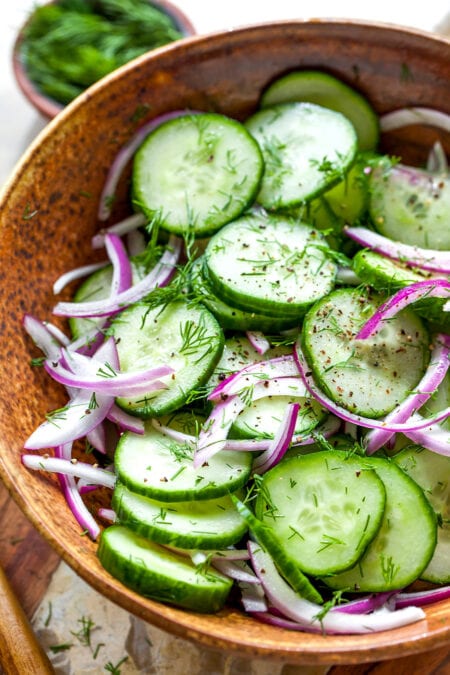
410, 205
432, 472
205, 524
306, 150
324, 508
369, 377
98, 287
405, 542
286, 564
271, 265
330, 92
384, 274
157, 573
232, 318
160, 468
185, 337
197, 172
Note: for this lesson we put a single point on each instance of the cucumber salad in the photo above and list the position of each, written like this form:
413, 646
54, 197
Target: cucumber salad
258, 371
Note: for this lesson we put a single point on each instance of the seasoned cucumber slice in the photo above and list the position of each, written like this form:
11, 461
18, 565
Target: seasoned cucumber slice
160, 468
330, 92
432, 472
405, 542
410, 205
205, 524
157, 573
98, 287
306, 150
287, 564
384, 274
187, 338
197, 172
232, 318
324, 508
369, 377
271, 265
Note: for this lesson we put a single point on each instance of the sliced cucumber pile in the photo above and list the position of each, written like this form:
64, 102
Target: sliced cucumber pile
268, 281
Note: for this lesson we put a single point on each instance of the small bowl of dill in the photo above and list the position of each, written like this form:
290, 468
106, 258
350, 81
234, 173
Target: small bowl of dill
67, 45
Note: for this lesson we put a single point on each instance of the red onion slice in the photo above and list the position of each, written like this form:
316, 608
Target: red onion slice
434, 438
129, 224
125, 421
123, 157
281, 366
436, 288
281, 441
75, 274
437, 159
258, 341
76, 420
367, 604
122, 272
159, 276
404, 117
414, 423
435, 373
236, 569
43, 337
73, 498
306, 613
213, 436
108, 381
422, 598
67, 467
414, 256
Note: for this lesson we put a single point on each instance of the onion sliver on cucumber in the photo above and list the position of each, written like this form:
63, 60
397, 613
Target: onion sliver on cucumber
261, 206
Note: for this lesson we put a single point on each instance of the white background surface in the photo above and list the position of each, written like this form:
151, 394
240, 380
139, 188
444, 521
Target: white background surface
19, 122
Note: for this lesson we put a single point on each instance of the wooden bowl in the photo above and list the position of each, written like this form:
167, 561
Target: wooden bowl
48, 215
48, 106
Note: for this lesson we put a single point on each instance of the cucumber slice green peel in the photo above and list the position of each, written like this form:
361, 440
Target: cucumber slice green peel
330, 92
368, 377
285, 563
186, 337
306, 150
202, 524
432, 472
160, 468
406, 540
271, 265
197, 172
160, 574
324, 508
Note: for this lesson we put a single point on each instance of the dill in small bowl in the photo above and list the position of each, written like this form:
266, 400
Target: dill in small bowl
67, 45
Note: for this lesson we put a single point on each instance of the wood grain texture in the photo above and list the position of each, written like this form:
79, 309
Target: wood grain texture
48, 213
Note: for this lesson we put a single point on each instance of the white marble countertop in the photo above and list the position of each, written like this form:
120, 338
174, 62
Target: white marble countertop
115, 635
